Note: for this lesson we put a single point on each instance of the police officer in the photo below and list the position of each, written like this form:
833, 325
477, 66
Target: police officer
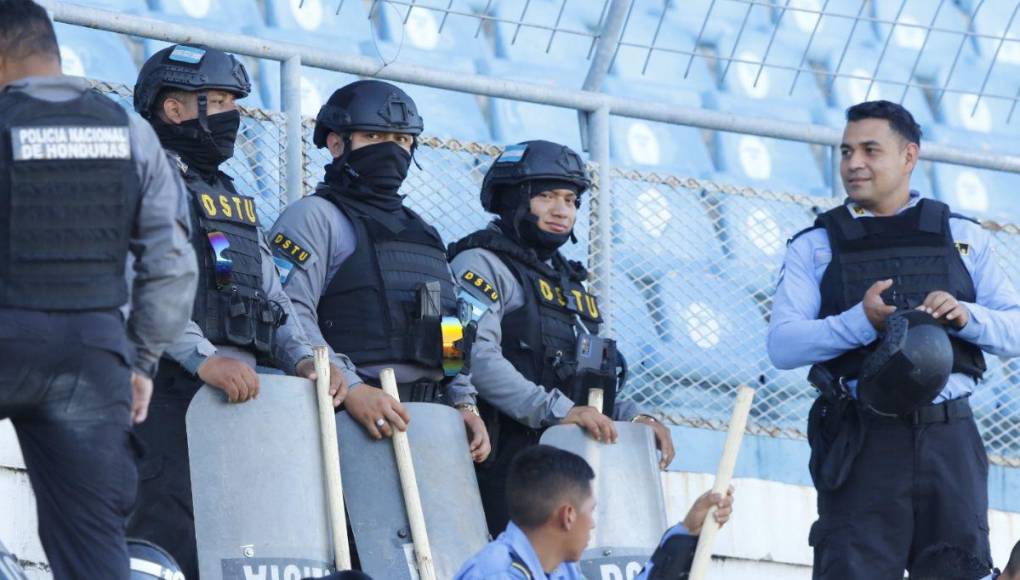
241, 314
85, 185
366, 274
909, 478
524, 361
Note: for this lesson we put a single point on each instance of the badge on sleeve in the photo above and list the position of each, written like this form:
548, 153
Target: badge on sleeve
963, 248
290, 250
487, 289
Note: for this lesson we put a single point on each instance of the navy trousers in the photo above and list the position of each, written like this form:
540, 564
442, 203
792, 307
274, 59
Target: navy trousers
915, 483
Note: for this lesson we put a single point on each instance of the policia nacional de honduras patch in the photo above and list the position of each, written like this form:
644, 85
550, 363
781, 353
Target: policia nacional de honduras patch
70, 143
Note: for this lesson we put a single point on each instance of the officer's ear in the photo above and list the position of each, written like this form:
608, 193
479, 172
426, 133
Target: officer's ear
174, 108
911, 154
566, 515
335, 144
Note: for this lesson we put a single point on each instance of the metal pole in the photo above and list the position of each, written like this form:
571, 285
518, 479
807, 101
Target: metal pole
290, 91
605, 51
600, 251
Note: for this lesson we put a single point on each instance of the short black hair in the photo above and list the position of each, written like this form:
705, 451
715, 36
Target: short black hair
948, 562
1013, 566
26, 30
898, 116
540, 478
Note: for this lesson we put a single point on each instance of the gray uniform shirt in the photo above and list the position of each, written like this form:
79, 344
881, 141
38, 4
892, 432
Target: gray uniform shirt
163, 272
290, 343
496, 378
318, 227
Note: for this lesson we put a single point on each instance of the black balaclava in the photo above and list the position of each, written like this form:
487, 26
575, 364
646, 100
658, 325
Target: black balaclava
203, 143
517, 221
372, 174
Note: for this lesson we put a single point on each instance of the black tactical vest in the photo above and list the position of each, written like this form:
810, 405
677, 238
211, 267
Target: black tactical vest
373, 310
914, 248
230, 304
540, 338
69, 191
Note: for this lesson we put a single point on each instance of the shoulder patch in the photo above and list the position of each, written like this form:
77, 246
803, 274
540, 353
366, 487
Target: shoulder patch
482, 284
290, 250
963, 248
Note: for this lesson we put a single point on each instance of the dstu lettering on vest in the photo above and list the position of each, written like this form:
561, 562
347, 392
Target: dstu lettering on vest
228, 208
70, 143
551, 294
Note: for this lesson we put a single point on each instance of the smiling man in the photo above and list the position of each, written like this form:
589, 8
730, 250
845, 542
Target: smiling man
892, 481
526, 362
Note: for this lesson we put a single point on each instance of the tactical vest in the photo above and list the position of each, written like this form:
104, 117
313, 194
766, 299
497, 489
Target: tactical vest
540, 338
231, 306
914, 248
69, 191
375, 309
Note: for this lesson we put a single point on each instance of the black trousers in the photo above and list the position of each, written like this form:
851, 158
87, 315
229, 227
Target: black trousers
163, 513
70, 404
913, 485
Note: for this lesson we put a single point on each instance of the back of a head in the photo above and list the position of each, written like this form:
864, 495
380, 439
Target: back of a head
1012, 569
948, 562
540, 479
26, 31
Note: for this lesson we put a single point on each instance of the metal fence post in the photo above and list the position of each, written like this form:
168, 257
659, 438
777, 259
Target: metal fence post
290, 91
601, 259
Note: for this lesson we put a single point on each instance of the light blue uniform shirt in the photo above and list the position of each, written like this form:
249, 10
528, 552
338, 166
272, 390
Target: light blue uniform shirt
677, 530
494, 561
797, 337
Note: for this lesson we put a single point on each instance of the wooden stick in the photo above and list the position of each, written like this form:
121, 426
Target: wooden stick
409, 484
595, 399
738, 423
331, 461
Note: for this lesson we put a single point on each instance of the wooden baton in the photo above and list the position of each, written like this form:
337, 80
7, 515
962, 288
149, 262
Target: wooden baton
331, 461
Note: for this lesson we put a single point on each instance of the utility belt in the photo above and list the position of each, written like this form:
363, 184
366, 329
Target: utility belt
421, 391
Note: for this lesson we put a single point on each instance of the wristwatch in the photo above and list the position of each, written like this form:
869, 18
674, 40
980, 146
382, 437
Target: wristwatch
470, 408
640, 415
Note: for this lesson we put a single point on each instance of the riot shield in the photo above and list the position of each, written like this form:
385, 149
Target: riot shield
448, 487
256, 481
9, 567
631, 513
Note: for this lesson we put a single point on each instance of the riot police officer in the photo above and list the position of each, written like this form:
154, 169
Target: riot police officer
85, 185
367, 275
241, 314
895, 454
525, 359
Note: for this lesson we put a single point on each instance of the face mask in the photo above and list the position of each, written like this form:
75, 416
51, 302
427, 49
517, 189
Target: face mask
382, 167
204, 151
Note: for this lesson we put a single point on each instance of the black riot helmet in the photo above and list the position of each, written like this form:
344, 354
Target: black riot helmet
909, 368
149, 561
527, 163
192, 68
367, 105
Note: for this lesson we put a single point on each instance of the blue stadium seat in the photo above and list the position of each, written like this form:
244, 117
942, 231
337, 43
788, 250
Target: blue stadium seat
939, 45
434, 26
727, 16
978, 193
126, 6
446, 113
95, 54
316, 86
754, 235
637, 143
991, 19
656, 229
319, 18
225, 15
761, 161
835, 27
531, 44
854, 85
671, 62
746, 77
961, 106
514, 121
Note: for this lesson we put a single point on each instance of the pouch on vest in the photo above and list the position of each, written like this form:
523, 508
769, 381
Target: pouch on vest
268, 317
596, 364
425, 339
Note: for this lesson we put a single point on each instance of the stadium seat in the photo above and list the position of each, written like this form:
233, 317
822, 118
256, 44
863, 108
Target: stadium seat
316, 86
853, 83
961, 106
95, 54
754, 232
747, 77
514, 121
761, 161
571, 42
125, 6
658, 228
671, 62
316, 21
909, 35
647, 145
978, 193
990, 20
726, 17
835, 27
225, 15
433, 26
446, 113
